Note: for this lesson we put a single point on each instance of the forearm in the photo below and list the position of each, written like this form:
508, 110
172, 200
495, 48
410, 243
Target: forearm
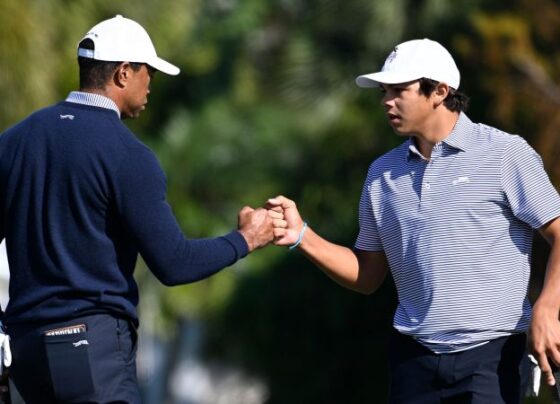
140, 198
362, 271
544, 332
171, 256
342, 264
195, 259
549, 298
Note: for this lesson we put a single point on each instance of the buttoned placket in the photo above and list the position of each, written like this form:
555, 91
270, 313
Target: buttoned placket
430, 174
424, 172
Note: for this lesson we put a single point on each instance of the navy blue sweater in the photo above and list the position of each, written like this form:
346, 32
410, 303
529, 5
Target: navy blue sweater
80, 197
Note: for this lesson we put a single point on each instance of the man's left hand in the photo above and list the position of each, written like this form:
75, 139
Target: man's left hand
544, 337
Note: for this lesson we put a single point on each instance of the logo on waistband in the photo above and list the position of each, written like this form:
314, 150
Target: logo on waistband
80, 342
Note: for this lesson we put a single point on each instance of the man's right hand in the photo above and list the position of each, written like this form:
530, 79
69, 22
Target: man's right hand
255, 225
286, 235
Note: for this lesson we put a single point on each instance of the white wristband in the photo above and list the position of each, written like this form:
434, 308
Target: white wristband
300, 237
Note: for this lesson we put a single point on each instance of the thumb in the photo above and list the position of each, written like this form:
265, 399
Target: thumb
281, 201
245, 210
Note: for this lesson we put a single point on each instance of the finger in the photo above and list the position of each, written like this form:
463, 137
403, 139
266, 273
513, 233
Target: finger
282, 201
275, 215
279, 223
549, 377
554, 356
276, 207
273, 203
245, 210
545, 369
281, 242
278, 232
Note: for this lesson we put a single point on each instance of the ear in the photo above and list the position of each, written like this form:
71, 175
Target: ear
122, 74
440, 93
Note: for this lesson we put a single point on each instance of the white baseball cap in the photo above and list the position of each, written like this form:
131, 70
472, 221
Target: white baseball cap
120, 39
413, 60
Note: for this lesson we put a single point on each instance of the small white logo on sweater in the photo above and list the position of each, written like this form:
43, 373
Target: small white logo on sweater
71, 117
461, 180
80, 342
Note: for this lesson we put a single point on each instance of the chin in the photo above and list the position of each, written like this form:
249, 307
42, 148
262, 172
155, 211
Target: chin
401, 132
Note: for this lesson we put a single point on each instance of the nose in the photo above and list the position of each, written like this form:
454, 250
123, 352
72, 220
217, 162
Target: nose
387, 100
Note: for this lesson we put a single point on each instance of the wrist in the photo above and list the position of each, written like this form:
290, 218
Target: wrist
248, 240
545, 307
300, 237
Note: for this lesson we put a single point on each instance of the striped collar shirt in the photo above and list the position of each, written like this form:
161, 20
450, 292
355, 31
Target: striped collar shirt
457, 232
94, 100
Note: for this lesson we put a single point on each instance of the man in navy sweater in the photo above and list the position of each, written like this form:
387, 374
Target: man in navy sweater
80, 197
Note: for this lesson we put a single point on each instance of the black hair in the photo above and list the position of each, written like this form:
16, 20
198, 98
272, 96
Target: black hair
455, 101
95, 74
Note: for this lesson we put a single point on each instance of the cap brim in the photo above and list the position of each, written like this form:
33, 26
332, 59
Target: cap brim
375, 79
165, 67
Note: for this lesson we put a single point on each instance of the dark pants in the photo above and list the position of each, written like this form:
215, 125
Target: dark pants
496, 372
95, 366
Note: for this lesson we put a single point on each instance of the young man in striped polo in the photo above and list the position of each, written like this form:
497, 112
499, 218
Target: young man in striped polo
450, 213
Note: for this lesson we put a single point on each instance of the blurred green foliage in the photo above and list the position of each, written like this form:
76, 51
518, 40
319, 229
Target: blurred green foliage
266, 105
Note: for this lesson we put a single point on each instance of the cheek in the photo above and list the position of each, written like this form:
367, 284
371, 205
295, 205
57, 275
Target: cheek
402, 106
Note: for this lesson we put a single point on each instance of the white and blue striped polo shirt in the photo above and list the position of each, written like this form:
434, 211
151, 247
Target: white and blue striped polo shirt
457, 233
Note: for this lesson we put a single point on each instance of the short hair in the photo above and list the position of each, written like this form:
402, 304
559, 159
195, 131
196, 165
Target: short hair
455, 101
95, 74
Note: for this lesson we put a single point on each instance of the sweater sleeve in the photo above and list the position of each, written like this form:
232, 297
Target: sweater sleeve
140, 192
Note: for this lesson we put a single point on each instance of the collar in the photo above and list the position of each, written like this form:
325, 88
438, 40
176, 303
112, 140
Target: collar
460, 137
94, 100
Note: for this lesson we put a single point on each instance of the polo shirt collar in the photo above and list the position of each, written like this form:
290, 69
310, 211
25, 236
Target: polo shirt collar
94, 100
459, 138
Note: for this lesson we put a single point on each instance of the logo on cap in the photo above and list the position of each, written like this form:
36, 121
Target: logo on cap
392, 55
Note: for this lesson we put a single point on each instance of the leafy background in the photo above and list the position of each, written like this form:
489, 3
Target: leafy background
266, 104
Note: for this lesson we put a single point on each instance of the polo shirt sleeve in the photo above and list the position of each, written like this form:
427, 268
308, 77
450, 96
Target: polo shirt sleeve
174, 259
529, 192
368, 237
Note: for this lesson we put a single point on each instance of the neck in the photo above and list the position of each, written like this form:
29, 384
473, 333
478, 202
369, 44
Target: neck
100, 91
435, 130
108, 92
